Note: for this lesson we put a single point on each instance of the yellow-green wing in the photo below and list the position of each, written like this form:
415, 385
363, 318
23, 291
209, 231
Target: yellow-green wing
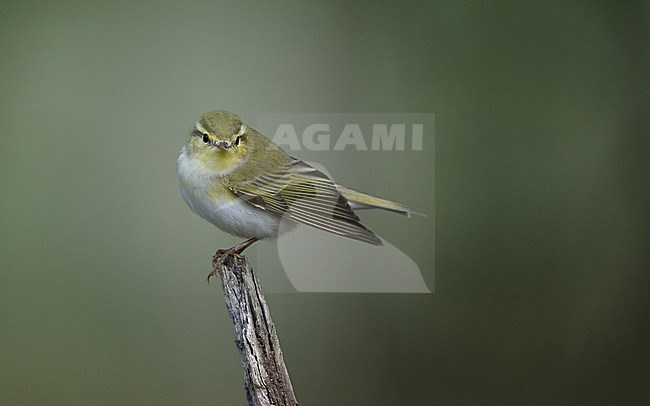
305, 195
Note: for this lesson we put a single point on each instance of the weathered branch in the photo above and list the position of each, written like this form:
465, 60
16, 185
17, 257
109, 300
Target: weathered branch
265, 375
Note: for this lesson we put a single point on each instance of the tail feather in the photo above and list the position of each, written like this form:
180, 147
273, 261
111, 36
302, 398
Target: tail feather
360, 201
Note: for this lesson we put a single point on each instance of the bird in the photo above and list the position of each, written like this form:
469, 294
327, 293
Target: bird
245, 184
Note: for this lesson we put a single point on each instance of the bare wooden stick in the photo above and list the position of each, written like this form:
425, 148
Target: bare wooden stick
265, 375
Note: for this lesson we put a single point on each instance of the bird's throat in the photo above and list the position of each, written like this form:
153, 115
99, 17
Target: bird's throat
218, 163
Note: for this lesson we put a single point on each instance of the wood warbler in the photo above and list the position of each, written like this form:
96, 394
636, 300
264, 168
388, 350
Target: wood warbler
245, 184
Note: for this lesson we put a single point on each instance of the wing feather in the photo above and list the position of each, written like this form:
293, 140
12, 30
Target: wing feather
305, 195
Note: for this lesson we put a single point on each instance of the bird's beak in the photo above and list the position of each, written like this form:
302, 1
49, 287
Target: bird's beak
222, 145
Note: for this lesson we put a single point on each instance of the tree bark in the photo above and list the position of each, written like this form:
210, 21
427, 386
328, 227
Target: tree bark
265, 375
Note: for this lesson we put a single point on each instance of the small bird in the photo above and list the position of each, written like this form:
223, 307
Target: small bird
245, 184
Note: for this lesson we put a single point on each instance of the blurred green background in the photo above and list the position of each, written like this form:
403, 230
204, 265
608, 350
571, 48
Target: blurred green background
541, 217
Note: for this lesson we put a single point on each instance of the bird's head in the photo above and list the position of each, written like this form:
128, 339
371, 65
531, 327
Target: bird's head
219, 139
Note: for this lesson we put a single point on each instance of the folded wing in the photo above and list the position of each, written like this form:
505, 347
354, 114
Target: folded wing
305, 195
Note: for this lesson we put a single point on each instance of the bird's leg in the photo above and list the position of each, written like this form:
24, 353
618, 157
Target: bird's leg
236, 249
221, 254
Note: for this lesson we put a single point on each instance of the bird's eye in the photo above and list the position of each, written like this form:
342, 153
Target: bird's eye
206, 139
237, 140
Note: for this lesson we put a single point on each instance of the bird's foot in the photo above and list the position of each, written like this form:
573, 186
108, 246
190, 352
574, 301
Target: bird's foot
220, 256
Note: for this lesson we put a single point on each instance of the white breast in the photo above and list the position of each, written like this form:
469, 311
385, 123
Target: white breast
222, 207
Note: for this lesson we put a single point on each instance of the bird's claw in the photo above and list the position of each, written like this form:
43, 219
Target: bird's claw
217, 261
220, 256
